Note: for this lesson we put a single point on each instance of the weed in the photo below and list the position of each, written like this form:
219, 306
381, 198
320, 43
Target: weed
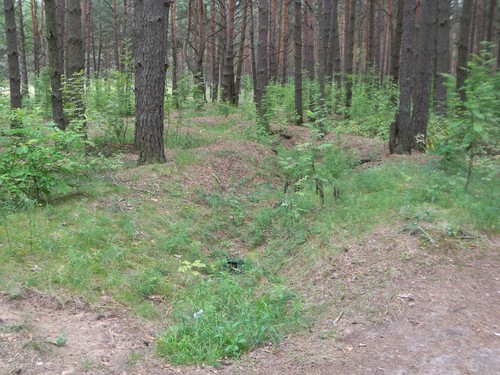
221, 318
61, 340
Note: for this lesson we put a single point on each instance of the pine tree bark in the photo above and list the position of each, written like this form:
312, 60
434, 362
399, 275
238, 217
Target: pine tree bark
13, 58
56, 65
273, 35
262, 62
309, 38
239, 65
175, 60
150, 32
442, 56
298, 62
75, 59
323, 42
228, 89
116, 33
252, 51
401, 132
349, 48
36, 37
425, 64
396, 41
491, 18
22, 54
61, 32
284, 41
463, 48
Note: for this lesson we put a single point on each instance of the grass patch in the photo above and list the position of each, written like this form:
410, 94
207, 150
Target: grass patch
219, 317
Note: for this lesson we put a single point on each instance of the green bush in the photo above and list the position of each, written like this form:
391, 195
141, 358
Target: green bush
40, 163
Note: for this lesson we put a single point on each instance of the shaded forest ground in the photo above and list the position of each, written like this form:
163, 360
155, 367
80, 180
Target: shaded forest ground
406, 294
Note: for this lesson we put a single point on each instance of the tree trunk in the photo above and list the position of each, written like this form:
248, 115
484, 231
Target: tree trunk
55, 64
13, 58
89, 38
252, 51
262, 62
396, 41
284, 41
75, 60
239, 66
323, 41
116, 33
61, 35
463, 48
401, 132
349, 49
36, 37
174, 57
309, 38
273, 35
491, 18
150, 32
334, 47
228, 90
425, 64
22, 55
214, 87
442, 56
298, 62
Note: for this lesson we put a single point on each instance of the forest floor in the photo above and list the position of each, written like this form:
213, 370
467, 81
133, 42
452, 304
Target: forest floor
394, 301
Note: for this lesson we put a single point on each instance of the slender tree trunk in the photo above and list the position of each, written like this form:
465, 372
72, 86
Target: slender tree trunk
13, 58
150, 32
298, 62
273, 35
401, 132
125, 20
442, 56
334, 48
55, 64
252, 52
228, 90
214, 87
425, 64
116, 33
463, 47
491, 18
309, 38
75, 59
22, 50
36, 37
396, 42
262, 62
284, 41
89, 38
174, 56
239, 66
323, 36
349, 48
61, 34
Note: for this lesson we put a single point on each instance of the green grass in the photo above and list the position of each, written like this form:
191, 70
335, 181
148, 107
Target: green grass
220, 317
136, 233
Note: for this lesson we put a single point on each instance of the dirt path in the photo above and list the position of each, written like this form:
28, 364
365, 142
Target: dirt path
397, 306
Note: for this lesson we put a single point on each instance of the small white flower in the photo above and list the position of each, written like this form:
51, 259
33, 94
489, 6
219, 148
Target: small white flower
198, 314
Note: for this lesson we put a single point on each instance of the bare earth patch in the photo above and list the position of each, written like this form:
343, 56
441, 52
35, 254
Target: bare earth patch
391, 304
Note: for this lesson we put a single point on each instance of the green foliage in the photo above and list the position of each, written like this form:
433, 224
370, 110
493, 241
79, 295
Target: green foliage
279, 101
42, 94
471, 132
314, 165
220, 317
40, 163
109, 102
372, 108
